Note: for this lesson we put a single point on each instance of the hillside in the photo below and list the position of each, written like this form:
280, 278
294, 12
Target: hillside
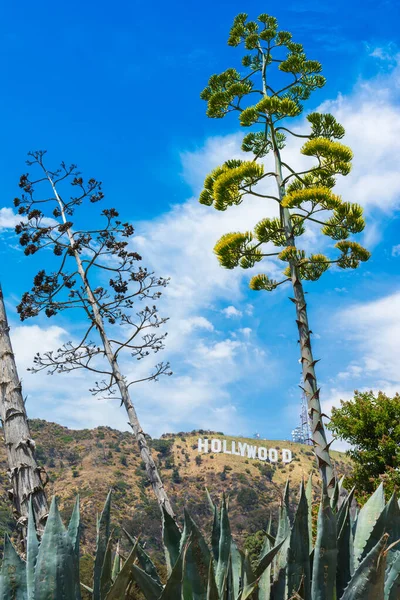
89, 462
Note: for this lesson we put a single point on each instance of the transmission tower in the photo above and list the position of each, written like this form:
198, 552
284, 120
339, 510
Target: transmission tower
305, 421
302, 433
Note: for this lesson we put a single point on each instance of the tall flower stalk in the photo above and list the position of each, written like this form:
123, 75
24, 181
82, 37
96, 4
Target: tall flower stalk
96, 274
301, 198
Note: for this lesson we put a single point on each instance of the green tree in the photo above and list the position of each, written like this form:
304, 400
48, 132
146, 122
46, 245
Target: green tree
371, 424
300, 198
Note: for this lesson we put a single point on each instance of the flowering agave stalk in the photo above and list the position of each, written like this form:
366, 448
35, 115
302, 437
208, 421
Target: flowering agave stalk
301, 198
95, 273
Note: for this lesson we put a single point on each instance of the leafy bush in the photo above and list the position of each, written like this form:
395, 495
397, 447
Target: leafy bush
247, 497
163, 447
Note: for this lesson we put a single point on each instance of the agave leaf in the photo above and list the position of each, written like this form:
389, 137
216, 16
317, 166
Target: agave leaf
366, 520
171, 539
368, 580
325, 553
264, 585
106, 571
343, 493
345, 554
116, 564
103, 536
237, 569
279, 587
215, 534
122, 580
388, 522
144, 559
56, 572
248, 574
392, 583
210, 501
150, 587
345, 506
196, 562
73, 527
267, 559
335, 496
283, 533
173, 587
13, 577
286, 497
224, 547
212, 591
147, 564
32, 550
298, 564
248, 591
309, 491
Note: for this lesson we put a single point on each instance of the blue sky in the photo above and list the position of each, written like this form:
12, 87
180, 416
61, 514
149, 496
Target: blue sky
116, 90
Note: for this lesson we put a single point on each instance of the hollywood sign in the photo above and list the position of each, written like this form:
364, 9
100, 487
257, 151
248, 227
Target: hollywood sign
244, 449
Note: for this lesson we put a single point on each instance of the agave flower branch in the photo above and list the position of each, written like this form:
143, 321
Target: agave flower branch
300, 194
97, 274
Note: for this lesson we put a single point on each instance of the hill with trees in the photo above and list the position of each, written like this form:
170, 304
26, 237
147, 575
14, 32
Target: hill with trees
89, 462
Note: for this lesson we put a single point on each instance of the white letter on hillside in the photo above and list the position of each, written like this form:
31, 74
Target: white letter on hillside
203, 445
216, 445
251, 451
225, 450
286, 455
242, 448
234, 451
262, 453
273, 455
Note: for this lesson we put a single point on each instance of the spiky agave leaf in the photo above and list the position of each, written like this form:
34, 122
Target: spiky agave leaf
102, 542
32, 550
224, 548
366, 520
13, 576
325, 553
368, 580
197, 560
56, 572
171, 540
151, 588
123, 577
298, 561
144, 559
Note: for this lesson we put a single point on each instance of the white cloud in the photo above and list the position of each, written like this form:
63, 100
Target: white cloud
246, 331
231, 311
8, 220
373, 330
193, 323
371, 118
396, 250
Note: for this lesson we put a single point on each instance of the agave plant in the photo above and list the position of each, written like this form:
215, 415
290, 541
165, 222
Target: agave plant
350, 558
354, 556
51, 568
